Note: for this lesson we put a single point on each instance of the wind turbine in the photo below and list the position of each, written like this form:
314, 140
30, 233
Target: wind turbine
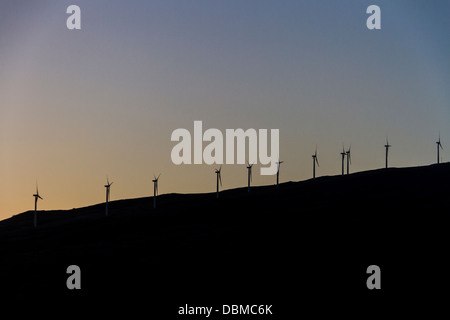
107, 186
349, 159
219, 179
36, 197
343, 158
387, 146
155, 189
278, 169
314, 157
438, 143
249, 169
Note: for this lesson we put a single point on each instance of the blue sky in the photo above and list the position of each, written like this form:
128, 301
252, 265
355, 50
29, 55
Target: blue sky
76, 106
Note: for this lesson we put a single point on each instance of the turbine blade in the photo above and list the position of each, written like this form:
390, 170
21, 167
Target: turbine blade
317, 160
220, 179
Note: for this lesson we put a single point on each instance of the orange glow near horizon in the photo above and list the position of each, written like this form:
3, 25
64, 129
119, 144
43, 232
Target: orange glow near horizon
77, 106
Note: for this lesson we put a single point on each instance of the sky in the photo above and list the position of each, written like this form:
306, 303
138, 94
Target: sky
77, 106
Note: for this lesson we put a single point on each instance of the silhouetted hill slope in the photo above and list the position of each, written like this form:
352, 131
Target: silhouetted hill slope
301, 242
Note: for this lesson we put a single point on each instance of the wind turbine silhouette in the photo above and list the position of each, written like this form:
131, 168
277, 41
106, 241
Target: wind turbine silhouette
219, 179
36, 197
387, 146
343, 158
314, 157
278, 169
155, 189
107, 186
349, 158
249, 169
438, 143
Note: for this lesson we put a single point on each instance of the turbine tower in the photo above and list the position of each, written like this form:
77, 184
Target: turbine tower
249, 169
439, 145
314, 157
219, 179
278, 170
36, 197
387, 146
343, 153
349, 159
155, 189
107, 186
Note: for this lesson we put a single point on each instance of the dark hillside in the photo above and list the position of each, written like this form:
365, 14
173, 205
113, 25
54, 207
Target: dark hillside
304, 242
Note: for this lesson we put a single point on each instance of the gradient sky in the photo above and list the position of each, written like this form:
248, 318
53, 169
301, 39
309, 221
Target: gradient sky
76, 106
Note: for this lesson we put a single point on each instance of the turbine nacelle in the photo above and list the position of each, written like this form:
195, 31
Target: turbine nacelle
348, 153
219, 176
108, 184
36, 195
343, 153
439, 145
249, 167
155, 182
387, 145
278, 165
315, 159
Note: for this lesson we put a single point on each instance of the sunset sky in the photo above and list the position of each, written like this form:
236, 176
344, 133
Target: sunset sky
79, 105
